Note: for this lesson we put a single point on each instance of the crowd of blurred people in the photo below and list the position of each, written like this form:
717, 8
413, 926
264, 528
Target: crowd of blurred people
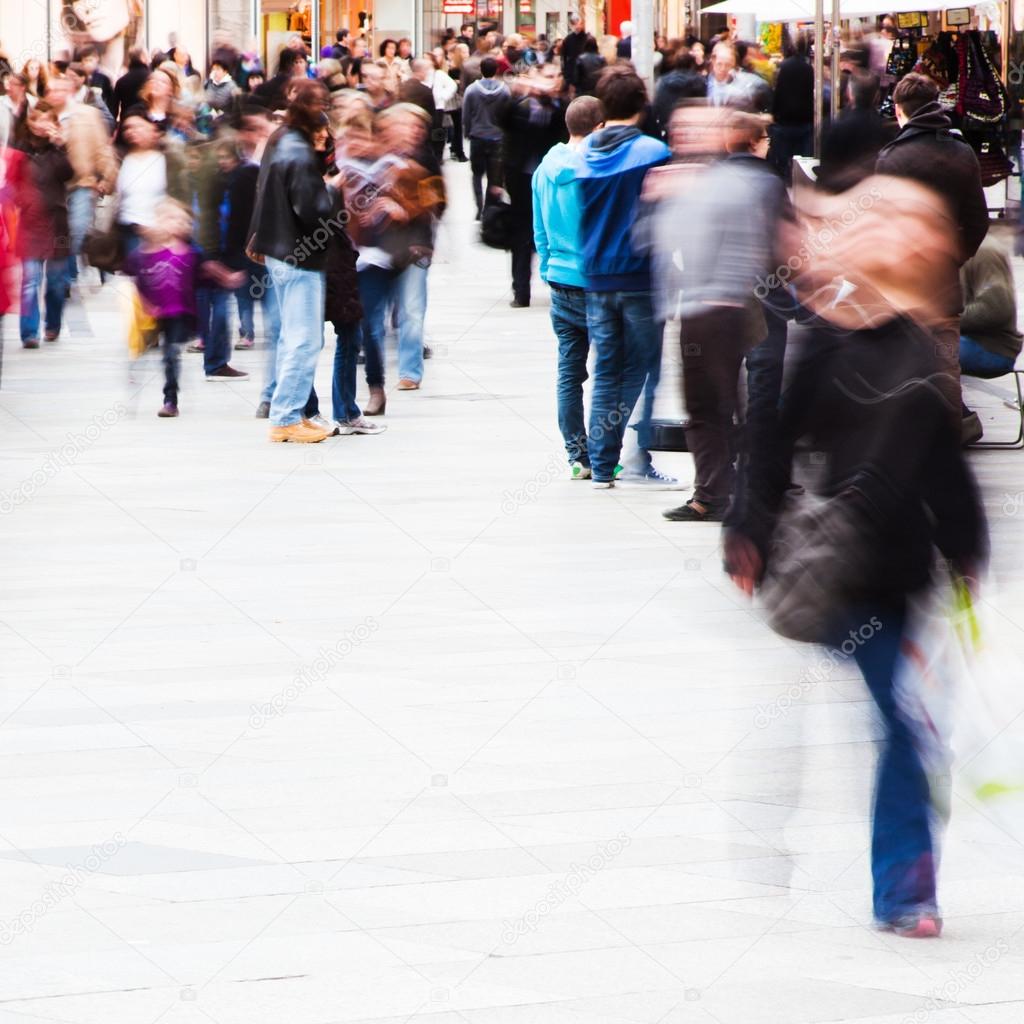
822, 327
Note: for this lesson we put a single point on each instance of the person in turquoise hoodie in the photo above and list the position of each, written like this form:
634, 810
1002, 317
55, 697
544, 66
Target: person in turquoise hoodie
556, 236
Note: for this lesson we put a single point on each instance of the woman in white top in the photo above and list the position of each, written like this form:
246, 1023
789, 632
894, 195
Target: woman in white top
143, 179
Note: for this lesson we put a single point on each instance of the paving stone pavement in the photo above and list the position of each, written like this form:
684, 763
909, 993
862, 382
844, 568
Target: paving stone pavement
413, 728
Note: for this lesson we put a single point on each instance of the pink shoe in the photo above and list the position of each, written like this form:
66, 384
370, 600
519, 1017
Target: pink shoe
915, 926
244, 343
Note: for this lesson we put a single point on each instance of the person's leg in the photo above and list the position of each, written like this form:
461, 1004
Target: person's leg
607, 414
902, 848
81, 204
765, 363
644, 336
521, 196
31, 275
569, 321
495, 171
175, 333
712, 355
411, 303
217, 342
458, 149
976, 361
301, 295
946, 333
56, 295
478, 165
374, 292
312, 406
343, 390
246, 311
271, 332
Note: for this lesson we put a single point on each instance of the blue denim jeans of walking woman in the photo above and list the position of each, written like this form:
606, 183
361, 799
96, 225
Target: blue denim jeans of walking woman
411, 303
904, 827
343, 388
977, 361
301, 302
627, 343
569, 320
212, 317
81, 207
377, 290
33, 274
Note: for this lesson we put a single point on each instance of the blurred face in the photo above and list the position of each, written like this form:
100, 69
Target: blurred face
90, 63
300, 68
103, 19
14, 89
404, 133
42, 125
75, 80
373, 78
218, 74
58, 90
404, 48
180, 57
723, 63
32, 69
160, 88
139, 133
255, 81
226, 160
698, 53
320, 139
390, 50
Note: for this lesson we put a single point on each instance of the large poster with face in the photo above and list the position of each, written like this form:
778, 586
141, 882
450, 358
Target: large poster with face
112, 27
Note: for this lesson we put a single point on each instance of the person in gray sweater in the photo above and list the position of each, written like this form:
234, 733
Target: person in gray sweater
481, 116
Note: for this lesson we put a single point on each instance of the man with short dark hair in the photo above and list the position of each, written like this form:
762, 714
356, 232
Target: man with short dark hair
95, 78
340, 50
929, 151
620, 312
481, 112
850, 145
572, 48
556, 234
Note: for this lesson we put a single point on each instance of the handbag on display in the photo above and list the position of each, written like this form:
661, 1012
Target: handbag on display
994, 163
982, 96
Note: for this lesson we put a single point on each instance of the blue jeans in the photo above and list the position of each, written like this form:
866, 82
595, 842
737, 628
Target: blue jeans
411, 301
301, 302
377, 287
627, 341
976, 361
81, 206
32, 272
264, 291
212, 315
569, 320
343, 389
902, 841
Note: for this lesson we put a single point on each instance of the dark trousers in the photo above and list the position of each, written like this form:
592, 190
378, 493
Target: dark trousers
484, 158
713, 348
765, 363
175, 332
455, 135
212, 309
788, 141
343, 386
520, 192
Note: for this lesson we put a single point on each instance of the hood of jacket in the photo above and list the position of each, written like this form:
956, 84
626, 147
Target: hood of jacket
490, 85
608, 140
930, 118
562, 162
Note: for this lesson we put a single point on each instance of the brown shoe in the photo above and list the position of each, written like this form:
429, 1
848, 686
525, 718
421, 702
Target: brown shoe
297, 432
51, 335
408, 385
377, 403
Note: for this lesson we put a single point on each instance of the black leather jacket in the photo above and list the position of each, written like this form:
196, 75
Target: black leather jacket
291, 217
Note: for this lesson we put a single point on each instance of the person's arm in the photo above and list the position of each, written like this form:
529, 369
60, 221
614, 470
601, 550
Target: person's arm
468, 112
973, 211
310, 201
540, 234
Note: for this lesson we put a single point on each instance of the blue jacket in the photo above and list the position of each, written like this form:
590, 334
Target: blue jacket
556, 217
611, 174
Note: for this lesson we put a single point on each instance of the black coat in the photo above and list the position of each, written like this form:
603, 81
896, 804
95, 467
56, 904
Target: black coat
850, 148
863, 401
126, 91
342, 304
529, 133
673, 87
293, 205
928, 151
100, 81
572, 48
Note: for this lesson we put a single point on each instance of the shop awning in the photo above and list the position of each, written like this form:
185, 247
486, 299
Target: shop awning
803, 10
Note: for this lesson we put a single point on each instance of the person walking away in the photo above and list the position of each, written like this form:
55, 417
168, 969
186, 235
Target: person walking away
927, 150
93, 161
589, 66
129, 85
793, 110
460, 53
572, 50
624, 47
681, 81
893, 484
42, 237
850, 145
291, 200
620, 314
95, 77
556, 234
482, 107
168, 267
418, 89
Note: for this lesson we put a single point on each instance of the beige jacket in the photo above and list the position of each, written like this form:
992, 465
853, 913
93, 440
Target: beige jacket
89, 149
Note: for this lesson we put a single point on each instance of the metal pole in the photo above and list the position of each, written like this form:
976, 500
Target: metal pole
642, 16
314, 28
837, 43
819, 71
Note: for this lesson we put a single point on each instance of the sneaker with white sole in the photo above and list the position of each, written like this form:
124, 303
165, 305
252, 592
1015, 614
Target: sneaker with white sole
579, 471
360, 425
602, 485
318, 422
648, 478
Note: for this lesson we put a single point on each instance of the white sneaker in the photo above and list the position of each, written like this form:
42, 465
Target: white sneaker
360, 425
580, 472
320, 423
602, 485
649, 479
